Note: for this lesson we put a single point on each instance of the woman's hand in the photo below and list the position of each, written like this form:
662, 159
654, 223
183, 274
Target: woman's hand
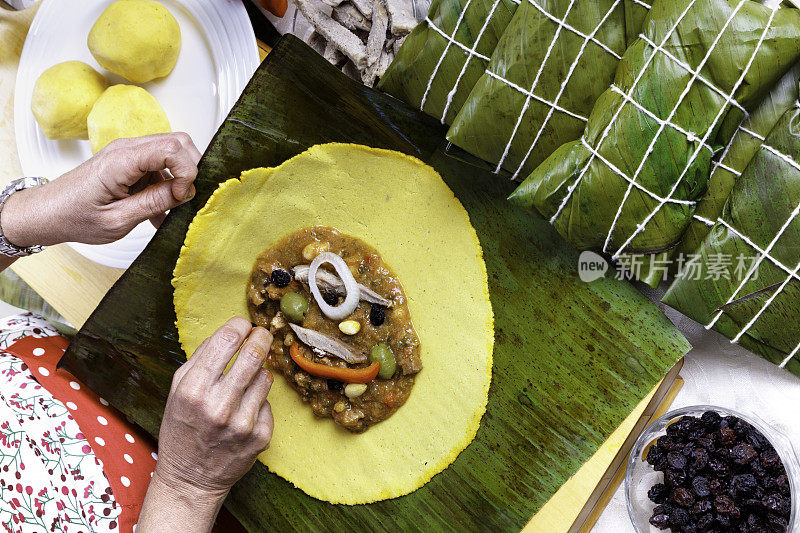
129, 181
213, 429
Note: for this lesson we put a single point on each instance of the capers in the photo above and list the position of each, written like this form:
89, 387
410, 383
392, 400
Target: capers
383, 355
294, 306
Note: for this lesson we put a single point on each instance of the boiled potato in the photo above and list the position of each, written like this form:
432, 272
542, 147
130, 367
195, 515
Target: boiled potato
124, 111
62, 98
136, 39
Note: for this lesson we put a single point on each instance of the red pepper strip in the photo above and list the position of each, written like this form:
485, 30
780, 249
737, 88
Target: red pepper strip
348, 375
276, 7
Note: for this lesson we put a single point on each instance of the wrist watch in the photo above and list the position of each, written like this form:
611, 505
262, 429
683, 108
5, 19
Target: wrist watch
6, 248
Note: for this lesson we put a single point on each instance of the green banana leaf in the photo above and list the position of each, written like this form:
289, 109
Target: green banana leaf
760, 220
446, 53
740, 150
557, 393
630, 184
558, 65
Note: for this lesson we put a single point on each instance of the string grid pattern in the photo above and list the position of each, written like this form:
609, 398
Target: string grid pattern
470, 52
627, 98
793, 274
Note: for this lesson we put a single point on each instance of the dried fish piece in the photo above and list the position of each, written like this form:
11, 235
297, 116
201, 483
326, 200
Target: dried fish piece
351, 18
332, 3
350, 70
345, 40
332, 54
398, 43
331, 282
377, 35
318, 43
365, 6
401, 15
325, 345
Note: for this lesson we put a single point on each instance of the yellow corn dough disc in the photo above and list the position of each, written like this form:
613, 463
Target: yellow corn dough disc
401, 207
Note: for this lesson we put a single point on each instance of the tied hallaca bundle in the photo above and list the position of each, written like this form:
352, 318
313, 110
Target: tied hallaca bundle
744, 280
553, 61
444, 56
631, 183
733, 159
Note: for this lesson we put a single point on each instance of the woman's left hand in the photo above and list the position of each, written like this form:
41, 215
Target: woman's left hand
126, 183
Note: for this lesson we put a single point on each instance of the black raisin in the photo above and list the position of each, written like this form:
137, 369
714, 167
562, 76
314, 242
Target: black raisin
335, 385
705, 521
674, 478
711, 420
744, 483
724, 504
700, 486
330, 298
657, 493
701, 507
776, 503
377, 315
726, 435
679, 516
676, 460
741, 454
661, 521
699, 458
771, 460
777, 523
682, 497
655, 457
718, 467
782, 482
280, 278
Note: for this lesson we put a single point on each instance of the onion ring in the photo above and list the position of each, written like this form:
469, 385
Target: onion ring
353, 293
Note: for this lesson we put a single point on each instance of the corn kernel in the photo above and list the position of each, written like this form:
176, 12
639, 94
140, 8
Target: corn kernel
350, 327
354, 390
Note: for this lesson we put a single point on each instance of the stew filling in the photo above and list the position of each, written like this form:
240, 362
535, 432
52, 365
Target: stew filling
349, 347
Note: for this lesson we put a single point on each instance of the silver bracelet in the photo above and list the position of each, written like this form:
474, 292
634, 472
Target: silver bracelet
6, 248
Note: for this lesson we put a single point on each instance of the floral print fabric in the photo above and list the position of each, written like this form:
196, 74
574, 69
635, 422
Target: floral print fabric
50, 479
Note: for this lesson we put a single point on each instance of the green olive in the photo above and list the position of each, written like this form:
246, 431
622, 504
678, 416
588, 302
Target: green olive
294, 306
383, 354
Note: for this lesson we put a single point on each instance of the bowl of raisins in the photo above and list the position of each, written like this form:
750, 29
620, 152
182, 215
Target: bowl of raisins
710, 469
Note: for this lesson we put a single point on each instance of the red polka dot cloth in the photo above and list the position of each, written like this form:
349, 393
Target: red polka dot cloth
68, 461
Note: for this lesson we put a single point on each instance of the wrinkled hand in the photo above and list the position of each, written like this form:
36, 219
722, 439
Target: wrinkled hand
128, 182
215, 425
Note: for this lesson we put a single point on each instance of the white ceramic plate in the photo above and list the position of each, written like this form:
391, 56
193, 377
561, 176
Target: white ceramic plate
218, 56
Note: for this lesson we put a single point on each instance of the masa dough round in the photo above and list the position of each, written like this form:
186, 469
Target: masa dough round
124, 111
62, 98
401, 207
136, 39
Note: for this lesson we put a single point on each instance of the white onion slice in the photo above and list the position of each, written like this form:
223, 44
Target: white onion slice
353, 293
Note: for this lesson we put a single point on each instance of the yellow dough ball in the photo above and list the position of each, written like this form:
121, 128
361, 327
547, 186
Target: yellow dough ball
136, 39
62, 98
124, 111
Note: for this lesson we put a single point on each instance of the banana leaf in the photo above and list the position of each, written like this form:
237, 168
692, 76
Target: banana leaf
543, 80
630, 184
445, 54
556, 393
756, 301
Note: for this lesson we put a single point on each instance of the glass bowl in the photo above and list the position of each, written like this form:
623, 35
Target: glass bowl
640, 476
